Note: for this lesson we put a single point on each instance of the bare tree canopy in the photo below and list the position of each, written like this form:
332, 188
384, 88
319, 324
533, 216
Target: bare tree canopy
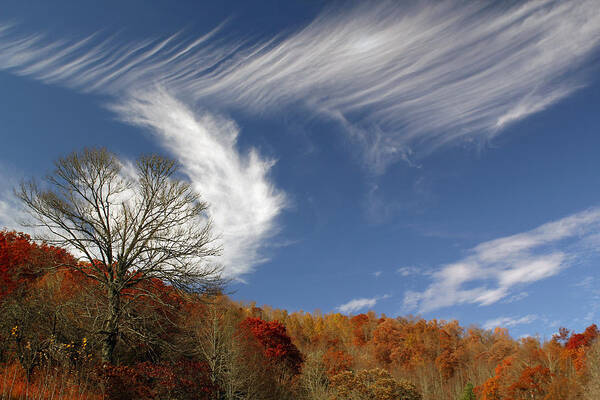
128, 224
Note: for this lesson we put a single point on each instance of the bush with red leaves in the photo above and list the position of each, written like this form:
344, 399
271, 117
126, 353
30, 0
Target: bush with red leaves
22, 261
183, 380
275, 342
584, 339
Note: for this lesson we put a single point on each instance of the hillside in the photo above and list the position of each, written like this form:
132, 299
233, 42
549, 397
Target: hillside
182, 345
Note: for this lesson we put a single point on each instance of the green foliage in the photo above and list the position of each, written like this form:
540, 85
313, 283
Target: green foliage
468, 393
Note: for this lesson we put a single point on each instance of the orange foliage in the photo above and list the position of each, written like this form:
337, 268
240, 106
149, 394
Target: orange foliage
452, 348
53, 384
492, 388
437, 355
532, 384
578, 345
359, 334
336, 361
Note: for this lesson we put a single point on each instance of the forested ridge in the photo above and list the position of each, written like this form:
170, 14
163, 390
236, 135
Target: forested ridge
184, 345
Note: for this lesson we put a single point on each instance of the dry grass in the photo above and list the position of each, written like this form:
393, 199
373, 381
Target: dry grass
48, 383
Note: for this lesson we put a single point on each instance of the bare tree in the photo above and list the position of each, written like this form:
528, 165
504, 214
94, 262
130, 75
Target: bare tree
313, 381
591, 389
235, 368
128, 224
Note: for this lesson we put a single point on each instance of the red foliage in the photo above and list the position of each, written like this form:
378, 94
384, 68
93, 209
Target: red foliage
183, 380
584, 339
275, 342
22, 261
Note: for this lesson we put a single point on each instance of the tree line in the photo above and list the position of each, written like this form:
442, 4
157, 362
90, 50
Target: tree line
123, 299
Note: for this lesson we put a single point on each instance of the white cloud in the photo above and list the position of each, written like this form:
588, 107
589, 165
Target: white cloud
586, 283
360, 304
11, 212
243, 203
408, 271
493, 269
399, 78
508, 322
517, 297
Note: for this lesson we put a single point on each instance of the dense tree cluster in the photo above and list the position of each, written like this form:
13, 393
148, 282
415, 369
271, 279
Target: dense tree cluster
172, 344
184, 345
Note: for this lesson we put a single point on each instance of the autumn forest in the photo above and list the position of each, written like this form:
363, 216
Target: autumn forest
177, 345
299, 200
124, 299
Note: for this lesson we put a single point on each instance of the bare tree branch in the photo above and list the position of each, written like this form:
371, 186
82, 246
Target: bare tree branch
126, 227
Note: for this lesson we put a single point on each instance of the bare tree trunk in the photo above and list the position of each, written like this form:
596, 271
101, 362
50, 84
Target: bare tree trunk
111, 326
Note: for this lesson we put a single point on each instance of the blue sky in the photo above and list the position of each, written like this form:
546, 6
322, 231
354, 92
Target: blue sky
436, 158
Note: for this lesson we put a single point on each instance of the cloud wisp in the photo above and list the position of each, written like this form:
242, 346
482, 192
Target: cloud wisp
509, 322
410, 270
493, 269
362, 303
401, 79
243, 202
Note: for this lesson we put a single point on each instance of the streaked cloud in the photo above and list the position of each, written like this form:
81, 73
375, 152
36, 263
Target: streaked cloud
402, 80
509, 322
516, 297
409, 270
243, 202
493, 269
360, 304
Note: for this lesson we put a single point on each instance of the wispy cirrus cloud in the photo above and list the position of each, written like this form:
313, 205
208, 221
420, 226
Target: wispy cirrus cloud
493, 269
401, 79
509, 322
244, 203
410, 270
362, 303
